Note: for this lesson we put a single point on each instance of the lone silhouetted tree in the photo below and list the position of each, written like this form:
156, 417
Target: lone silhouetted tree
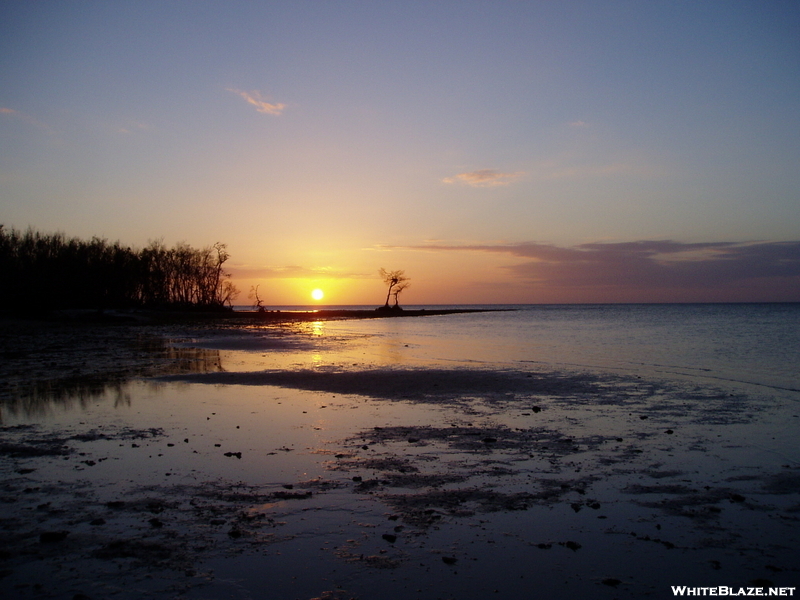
396, 282
258, 304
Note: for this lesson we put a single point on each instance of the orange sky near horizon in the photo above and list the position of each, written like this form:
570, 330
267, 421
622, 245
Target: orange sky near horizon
519, 152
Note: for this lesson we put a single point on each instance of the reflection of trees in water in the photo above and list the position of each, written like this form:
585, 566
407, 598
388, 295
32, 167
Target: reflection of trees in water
39, 396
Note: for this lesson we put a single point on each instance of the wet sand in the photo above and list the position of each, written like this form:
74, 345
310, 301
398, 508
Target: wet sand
190, 462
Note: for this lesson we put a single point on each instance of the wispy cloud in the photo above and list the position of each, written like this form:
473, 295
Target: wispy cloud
132, 126
764, 270
260, 103
483, 178
15, 114
295, 272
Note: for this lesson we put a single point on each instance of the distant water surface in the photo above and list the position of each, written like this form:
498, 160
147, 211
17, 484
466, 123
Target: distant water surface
748, 343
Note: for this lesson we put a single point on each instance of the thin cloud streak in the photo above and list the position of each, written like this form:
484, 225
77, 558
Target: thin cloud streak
483, 178
762, 269
294, 272
12, 113
261, 105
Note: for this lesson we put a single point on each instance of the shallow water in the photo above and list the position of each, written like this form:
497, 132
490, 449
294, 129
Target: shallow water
755, 343
604, 452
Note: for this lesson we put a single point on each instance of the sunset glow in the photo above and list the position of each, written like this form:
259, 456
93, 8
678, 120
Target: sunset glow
321, 143
317, 294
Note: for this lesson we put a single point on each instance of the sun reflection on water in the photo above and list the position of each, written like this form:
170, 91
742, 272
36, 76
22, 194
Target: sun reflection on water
318, 328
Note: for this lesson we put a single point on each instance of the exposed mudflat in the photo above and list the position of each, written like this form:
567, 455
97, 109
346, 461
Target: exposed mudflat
353, 481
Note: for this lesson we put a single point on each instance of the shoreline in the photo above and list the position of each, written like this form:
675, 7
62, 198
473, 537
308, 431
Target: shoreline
81, 352
179, 316
378, 313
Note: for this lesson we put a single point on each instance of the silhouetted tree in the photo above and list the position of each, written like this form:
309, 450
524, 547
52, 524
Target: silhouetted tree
393, 279
397, 289
258, 304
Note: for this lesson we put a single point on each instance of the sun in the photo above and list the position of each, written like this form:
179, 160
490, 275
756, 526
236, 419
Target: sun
317, 294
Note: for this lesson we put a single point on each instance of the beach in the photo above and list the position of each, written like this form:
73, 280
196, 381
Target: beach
342, 459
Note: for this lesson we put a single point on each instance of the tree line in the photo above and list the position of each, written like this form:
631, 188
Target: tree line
45, 271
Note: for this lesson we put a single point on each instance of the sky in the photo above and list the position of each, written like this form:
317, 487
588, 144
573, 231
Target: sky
497, 152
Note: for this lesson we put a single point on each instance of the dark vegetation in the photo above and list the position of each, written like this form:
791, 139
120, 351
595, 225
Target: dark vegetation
46, 271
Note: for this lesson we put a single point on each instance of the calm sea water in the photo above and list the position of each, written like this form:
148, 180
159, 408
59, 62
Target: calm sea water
738, 343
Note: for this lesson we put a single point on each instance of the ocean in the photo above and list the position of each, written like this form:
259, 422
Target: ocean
753, 344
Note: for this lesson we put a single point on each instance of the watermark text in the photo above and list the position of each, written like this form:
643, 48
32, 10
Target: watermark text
724, 590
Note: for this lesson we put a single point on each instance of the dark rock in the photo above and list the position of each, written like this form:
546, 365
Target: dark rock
449, 560
292, 495
49, 537
236, 454
389, 537
611, 582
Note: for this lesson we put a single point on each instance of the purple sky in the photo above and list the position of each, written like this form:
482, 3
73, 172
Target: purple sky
496, 151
